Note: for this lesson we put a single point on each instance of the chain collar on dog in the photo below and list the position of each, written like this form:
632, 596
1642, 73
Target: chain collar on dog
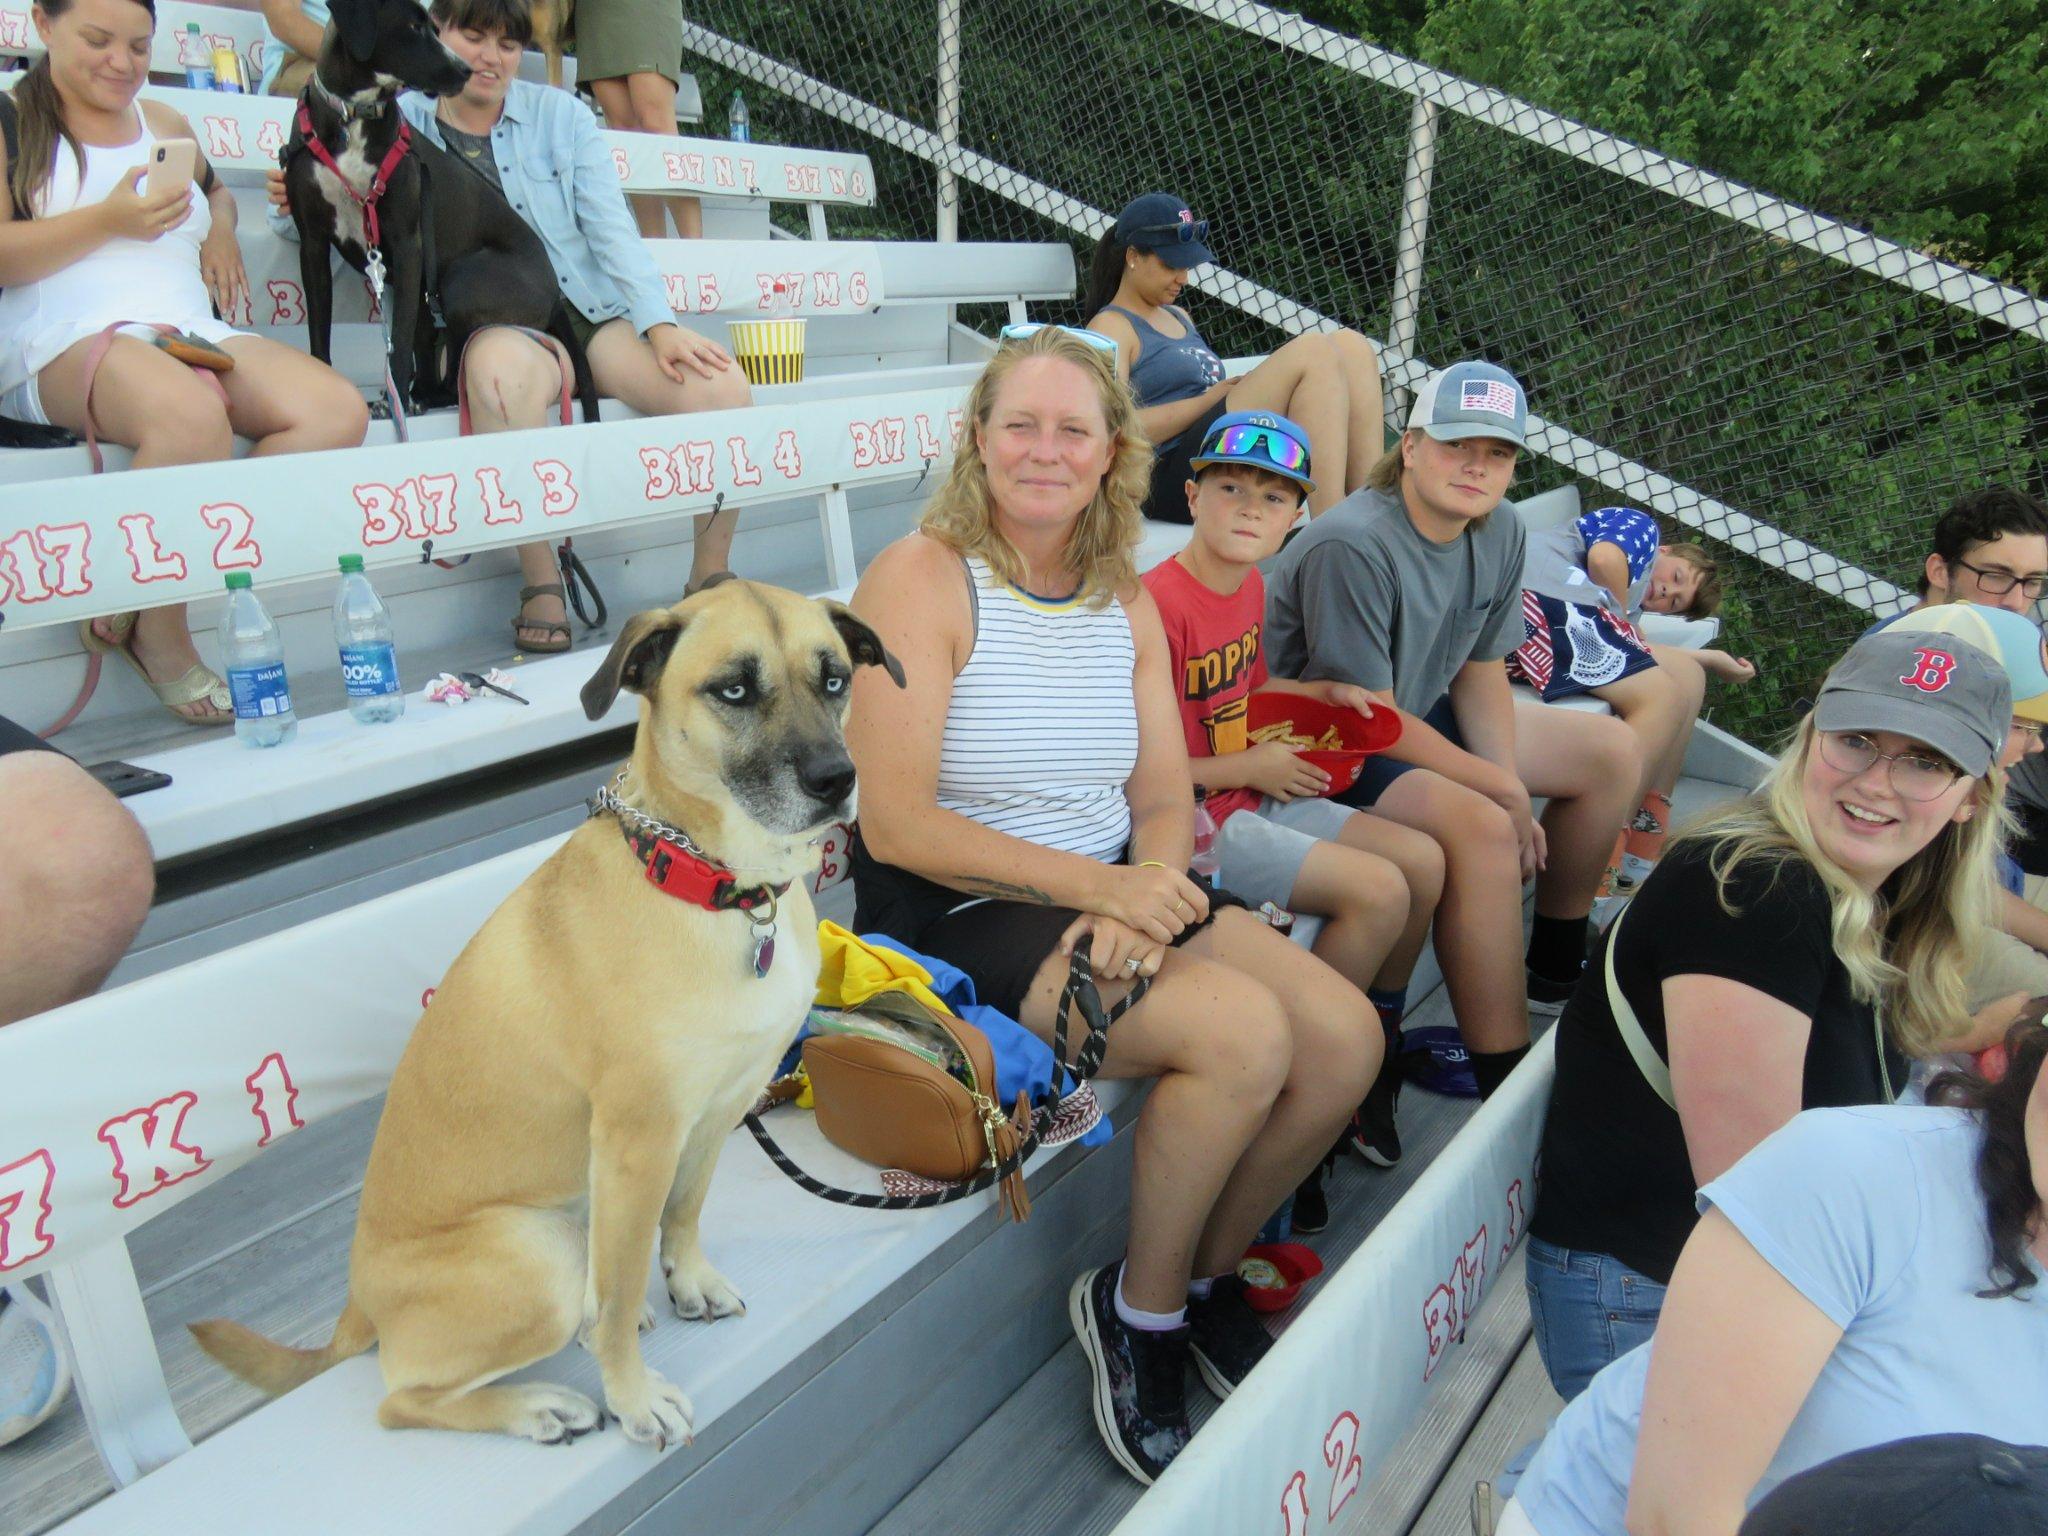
347, 107
679, 868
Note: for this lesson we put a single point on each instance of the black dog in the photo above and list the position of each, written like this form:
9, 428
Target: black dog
488, 266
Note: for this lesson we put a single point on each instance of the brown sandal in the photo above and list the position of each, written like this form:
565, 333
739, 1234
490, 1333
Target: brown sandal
558, 640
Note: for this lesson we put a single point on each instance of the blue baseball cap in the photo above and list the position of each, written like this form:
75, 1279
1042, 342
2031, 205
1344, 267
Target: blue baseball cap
1160, 223
1249, 438
1471, 399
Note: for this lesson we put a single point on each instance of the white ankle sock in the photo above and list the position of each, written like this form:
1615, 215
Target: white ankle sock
1635, 871
1198, 1290
1143, 1321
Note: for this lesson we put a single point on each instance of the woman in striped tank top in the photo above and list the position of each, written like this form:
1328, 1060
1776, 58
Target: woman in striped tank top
1029, 792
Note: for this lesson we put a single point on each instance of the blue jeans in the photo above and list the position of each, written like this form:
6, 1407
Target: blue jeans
1587, 1309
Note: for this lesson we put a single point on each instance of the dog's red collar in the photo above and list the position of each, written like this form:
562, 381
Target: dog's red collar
677, 867
366, 201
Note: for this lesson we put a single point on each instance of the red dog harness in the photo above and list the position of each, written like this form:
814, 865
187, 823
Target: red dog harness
364, 201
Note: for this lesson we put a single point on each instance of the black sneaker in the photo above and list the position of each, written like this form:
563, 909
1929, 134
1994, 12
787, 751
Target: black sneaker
1228, 1338
1547, 996
1138, 1378
1373, 1135
1311, 1206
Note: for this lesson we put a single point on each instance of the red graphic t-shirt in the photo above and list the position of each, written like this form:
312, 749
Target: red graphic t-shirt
1217, 665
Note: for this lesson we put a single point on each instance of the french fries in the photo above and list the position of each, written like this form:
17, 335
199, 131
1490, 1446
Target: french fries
1283, 731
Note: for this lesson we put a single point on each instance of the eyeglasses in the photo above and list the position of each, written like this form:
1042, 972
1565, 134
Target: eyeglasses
2031, 728
1095, 339
1184, 232
1998, 583
1913, 775
1277, 448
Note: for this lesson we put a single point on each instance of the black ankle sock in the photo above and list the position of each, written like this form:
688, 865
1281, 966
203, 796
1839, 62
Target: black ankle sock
1557, 947
1491, 1068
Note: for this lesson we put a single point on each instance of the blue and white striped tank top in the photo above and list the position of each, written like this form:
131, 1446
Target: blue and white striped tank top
1042, 734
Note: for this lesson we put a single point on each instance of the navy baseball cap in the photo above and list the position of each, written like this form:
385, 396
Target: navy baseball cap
1471, 399
1160, 223
1259, 439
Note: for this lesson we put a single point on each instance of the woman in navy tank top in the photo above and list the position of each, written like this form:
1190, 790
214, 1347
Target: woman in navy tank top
1328, 381
1028, 796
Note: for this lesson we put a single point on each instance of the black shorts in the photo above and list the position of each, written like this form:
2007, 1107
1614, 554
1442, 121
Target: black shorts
1380, 770
1168, 499
17, 738
1002, 945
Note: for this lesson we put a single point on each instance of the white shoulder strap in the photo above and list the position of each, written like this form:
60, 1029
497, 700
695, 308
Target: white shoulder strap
1648, 1062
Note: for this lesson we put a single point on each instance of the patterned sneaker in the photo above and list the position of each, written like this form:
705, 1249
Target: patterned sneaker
35, 1376
1138, 1378
1228, 1338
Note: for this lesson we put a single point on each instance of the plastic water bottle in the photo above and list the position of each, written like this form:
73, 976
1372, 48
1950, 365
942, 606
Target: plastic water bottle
254, 654
198, 76
1205, 859
736, 120
369, 660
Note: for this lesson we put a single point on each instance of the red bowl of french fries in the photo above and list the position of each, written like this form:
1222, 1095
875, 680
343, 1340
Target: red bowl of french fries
1338, 741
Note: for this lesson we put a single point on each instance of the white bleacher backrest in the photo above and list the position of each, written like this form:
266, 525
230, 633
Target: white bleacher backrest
1670, 629
243, 30
689, 97
242, 135
1548, 510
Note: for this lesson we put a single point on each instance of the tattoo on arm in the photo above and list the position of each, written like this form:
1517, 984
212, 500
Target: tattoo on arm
1002, 890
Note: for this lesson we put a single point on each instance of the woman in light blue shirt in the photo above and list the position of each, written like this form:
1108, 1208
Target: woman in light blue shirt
1863, 1276
542, 148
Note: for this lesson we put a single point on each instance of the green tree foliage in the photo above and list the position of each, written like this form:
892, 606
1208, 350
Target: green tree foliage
1924, 120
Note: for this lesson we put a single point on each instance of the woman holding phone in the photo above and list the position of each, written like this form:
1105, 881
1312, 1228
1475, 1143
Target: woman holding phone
111, 221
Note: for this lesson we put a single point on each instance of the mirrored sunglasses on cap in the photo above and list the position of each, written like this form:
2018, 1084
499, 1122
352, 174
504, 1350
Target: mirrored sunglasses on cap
1244, 440
1095, 339
1184, 232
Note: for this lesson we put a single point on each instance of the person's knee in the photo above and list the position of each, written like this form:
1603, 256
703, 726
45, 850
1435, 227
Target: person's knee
92, 884
331, 412
1337, 1042
1609, 750
725, 390
1377, 888
508, 377
1355, 349
1241, 1039
1473, 827
1688, 676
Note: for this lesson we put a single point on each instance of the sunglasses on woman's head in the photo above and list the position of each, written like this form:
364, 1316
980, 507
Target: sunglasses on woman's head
1186, 232
1095, 339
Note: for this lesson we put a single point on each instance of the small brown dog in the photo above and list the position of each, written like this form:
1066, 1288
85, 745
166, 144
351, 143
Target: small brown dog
565, 1096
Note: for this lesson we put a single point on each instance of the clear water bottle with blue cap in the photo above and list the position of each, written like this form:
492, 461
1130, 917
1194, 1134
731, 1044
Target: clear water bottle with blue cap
369, 658
737, 122
253, 653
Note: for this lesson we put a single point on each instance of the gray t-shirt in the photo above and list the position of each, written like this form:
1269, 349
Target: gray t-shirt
1555, 566
1361, 597
474, 151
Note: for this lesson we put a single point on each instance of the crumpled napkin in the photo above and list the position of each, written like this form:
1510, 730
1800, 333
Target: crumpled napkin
450, 689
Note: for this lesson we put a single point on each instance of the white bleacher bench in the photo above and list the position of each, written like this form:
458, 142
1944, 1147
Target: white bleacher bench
227, 26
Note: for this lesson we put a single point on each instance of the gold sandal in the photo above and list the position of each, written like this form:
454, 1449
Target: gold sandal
200, 684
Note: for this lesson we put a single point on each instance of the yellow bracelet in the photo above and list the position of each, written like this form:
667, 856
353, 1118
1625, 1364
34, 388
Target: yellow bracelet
1154, 864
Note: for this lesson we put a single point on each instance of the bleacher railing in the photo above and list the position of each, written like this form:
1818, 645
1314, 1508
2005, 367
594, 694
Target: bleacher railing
1801, 395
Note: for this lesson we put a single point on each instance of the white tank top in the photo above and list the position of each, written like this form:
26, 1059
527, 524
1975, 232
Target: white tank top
1042, 733
156, 281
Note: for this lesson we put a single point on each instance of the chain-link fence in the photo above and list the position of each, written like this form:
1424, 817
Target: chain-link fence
1802, 397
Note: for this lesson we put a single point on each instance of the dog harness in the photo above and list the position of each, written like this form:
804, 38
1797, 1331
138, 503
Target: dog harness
678, 867
366, 202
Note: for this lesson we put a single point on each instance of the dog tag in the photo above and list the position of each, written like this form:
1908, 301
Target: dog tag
374, 270
764, 951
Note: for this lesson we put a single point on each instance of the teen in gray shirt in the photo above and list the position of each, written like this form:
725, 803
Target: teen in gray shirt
1412, 588
1360, 596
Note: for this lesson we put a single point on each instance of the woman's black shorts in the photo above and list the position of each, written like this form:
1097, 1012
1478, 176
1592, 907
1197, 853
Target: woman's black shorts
1168, 501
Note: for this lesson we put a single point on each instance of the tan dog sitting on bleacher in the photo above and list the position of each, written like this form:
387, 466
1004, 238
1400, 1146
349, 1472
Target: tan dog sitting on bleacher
565, 1096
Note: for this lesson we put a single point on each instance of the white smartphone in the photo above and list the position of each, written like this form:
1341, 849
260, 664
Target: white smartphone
171, 165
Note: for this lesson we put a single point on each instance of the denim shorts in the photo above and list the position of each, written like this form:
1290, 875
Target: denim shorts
1587, 1309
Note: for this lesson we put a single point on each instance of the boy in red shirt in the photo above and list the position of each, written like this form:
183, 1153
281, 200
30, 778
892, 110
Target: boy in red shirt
1375, 884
